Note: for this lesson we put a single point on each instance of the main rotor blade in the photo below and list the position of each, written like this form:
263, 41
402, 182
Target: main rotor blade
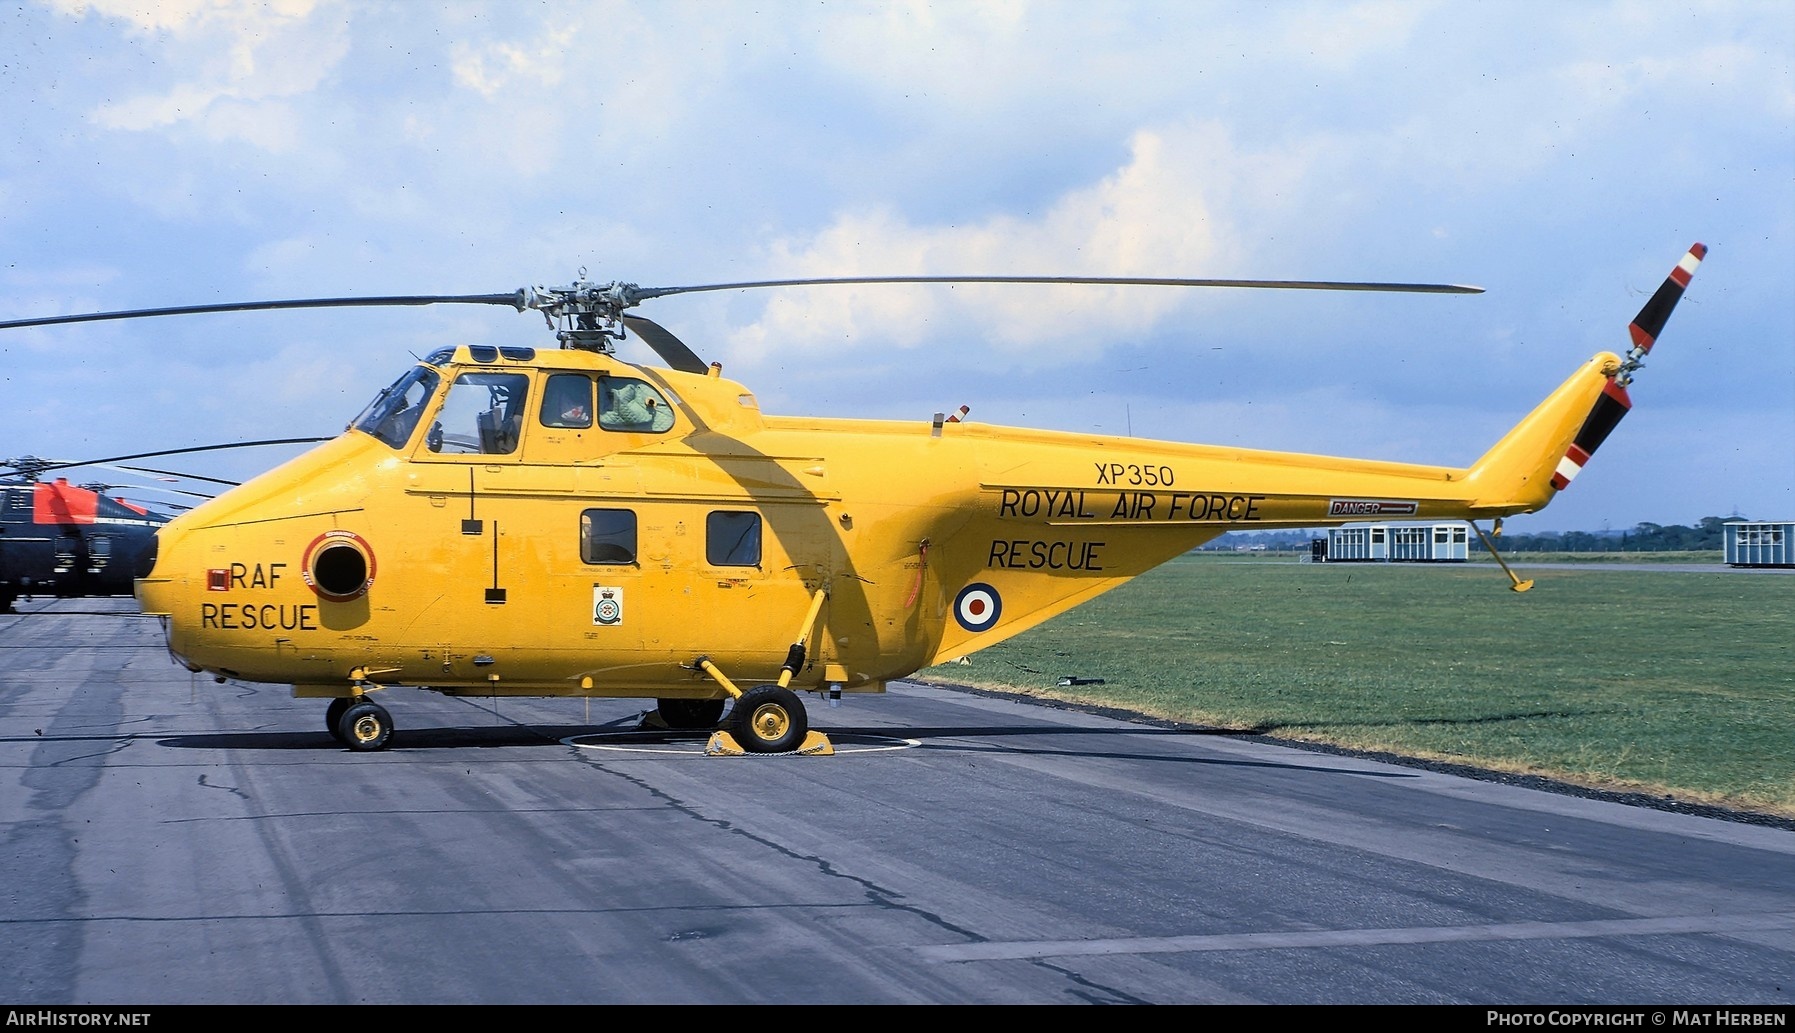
618, 296
666, 345
105, 489
1312, 285
185, 476
182, 451
513, 299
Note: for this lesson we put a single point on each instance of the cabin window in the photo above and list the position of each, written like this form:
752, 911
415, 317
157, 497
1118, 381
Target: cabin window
482, 415
567, 401
608, 536
732, 539
394, 412
627, 404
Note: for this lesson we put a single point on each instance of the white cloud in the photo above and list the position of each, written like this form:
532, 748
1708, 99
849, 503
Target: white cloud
237, 62
489, 68
164, 15
1171, 211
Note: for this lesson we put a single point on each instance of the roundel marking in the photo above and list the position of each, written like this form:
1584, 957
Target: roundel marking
978, 606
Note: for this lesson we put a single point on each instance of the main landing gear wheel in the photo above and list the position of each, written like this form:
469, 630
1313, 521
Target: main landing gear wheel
686, 714
365, 727
769, 719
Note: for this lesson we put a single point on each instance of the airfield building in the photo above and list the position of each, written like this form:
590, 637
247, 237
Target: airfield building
1397, 543
1760, 543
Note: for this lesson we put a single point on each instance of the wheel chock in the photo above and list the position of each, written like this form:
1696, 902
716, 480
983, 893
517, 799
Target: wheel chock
722, 744
652, 721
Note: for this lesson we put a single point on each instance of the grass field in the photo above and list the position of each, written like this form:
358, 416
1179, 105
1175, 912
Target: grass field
1669, 682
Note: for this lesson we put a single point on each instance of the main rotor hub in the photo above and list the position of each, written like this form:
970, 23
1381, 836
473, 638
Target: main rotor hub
584, 315
30, 467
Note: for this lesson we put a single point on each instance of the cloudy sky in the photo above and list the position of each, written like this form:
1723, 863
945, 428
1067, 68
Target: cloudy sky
1561, 156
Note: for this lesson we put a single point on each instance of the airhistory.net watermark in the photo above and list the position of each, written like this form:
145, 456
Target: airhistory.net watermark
73, 1017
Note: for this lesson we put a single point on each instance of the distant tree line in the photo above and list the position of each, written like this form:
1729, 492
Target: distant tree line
1646, 537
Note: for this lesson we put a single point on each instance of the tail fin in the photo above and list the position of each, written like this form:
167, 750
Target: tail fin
1545, 451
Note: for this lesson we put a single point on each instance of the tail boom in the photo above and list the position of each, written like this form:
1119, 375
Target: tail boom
1527, 468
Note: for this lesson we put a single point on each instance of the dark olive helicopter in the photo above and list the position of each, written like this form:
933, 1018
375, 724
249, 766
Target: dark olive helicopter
63, 539
68, 540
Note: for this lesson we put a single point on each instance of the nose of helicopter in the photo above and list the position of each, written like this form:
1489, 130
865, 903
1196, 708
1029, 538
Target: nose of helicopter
157, 591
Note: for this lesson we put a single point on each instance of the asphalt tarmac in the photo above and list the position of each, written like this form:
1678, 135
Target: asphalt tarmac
168, 840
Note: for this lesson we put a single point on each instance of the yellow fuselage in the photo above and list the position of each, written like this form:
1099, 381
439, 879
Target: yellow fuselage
930, 541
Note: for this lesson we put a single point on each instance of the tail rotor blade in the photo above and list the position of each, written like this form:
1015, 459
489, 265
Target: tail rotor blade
1614, 403
1646, 326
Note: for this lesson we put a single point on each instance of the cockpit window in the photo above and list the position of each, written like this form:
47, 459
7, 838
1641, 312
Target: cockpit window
567, 401
483, 415
394, 412
627, 404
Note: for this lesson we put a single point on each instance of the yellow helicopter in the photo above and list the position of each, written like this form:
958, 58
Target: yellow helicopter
515, 521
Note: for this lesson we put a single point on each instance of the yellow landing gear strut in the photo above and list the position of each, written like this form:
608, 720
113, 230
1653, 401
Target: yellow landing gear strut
1519, 585
356, 721
770, 718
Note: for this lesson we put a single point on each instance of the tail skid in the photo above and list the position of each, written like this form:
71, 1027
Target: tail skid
1545, 452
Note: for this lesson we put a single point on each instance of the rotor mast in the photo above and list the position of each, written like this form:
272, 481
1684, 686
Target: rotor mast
584, 315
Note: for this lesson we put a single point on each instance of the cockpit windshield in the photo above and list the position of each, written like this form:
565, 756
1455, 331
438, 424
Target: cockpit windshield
483, 411
483, 414
394, 412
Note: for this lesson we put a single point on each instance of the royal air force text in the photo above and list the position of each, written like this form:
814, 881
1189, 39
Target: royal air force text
1075, 504
1120, 503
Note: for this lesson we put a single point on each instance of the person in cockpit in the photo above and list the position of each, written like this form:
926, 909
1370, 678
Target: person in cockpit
568, 402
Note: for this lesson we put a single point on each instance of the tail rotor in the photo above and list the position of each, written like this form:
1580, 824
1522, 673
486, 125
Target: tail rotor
1614, 402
